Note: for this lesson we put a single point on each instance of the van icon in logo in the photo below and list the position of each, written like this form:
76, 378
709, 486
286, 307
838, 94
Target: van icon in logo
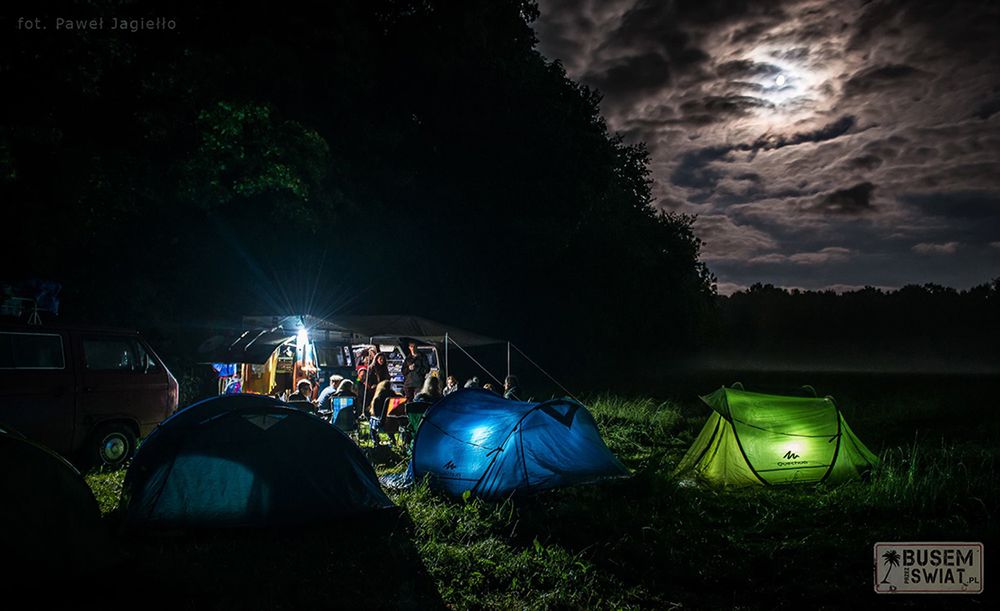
789, 455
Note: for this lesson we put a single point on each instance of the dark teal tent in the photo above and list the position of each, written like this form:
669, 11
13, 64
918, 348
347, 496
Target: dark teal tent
477, 441
247, 460
50, 524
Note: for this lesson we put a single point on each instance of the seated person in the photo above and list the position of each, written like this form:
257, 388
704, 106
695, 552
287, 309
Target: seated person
323, 401
473, 382
346, 390
377, 410
511, 388
451, 386
303, 395
431, 390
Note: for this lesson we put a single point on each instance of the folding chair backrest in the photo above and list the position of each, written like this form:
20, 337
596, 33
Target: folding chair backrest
415, 411
397, 406
344, 417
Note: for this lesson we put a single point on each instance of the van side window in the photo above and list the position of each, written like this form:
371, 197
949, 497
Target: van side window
110, 354
31, 351
146, 362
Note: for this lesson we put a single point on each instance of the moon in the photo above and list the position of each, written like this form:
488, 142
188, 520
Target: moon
779, 80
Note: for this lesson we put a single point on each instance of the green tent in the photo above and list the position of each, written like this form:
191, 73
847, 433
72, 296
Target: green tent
753, 438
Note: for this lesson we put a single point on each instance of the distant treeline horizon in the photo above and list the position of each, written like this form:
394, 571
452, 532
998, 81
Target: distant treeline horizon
926, 326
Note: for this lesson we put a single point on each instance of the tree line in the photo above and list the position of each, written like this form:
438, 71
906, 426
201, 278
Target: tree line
928, 323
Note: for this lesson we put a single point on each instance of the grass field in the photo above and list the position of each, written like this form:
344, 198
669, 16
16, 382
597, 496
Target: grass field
646, 542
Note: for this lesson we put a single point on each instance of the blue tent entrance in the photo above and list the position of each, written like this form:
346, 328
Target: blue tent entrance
474, 440
247, 460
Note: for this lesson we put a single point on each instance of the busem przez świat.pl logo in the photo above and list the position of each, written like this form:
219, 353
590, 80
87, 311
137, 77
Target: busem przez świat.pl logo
928, 568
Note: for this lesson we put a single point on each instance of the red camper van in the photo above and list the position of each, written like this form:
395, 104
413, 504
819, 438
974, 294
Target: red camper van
88, 394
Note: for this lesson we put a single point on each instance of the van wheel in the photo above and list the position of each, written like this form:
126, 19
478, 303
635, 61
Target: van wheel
111, 446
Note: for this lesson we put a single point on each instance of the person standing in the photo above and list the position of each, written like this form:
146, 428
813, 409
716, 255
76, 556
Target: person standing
377, 373
415, 369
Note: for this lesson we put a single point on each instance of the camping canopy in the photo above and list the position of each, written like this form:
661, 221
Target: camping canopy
753, 438
414, 327
247, 460
475, 440
250, 346
51, 524
263, 334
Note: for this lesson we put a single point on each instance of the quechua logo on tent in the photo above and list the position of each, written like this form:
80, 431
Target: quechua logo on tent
790, 459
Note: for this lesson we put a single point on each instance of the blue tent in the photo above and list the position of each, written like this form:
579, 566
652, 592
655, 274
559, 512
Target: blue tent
247, 460
475, 440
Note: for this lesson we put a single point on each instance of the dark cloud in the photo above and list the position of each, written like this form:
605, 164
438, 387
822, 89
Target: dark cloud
723, 107
695, 167
864, 162
963, 28
746, 68
828, 132
879, 78
987, 109
975, 205
853, 200
633, 74
695, 171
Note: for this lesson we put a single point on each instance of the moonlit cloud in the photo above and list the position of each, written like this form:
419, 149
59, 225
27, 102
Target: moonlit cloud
821, 143
927, 248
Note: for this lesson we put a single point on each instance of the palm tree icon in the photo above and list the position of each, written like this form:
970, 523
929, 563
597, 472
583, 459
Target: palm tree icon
890, 558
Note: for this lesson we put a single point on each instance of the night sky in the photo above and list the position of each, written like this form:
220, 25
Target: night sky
822, 143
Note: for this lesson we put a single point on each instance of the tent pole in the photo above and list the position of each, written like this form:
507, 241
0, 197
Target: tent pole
480, 365
446, 376
539, 368
508, 359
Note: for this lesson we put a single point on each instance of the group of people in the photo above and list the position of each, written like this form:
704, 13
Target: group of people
511, 387
339, 387
420, 385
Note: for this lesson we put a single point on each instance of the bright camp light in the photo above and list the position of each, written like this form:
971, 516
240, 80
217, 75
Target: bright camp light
302, 338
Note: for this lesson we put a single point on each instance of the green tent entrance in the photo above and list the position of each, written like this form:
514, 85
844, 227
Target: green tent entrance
754, 439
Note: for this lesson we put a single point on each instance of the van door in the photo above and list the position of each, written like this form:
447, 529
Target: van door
37, 387
119, 380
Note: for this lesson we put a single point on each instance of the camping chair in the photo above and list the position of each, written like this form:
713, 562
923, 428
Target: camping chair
415, 414
343, 416
395, 420
389, 421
